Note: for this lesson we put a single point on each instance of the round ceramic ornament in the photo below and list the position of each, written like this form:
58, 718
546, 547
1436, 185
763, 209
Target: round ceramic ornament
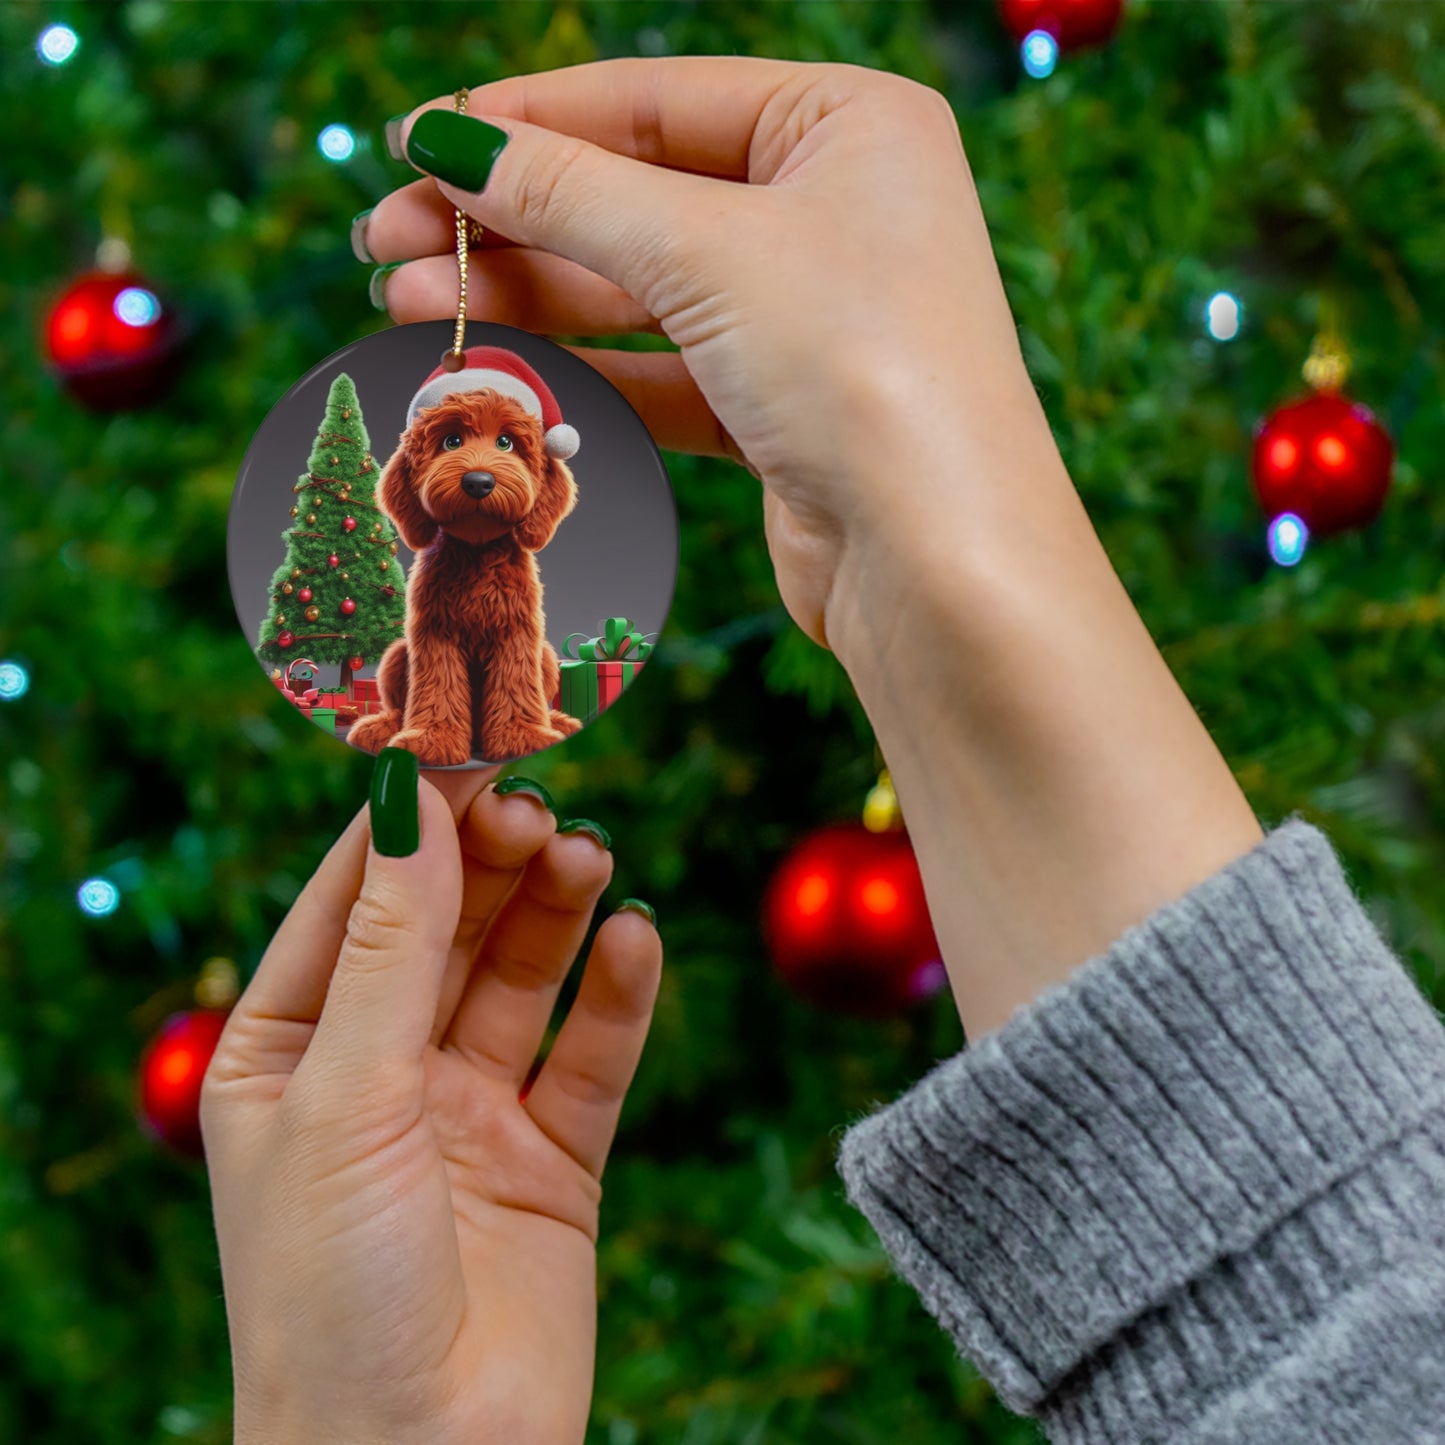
481, 580
486, 581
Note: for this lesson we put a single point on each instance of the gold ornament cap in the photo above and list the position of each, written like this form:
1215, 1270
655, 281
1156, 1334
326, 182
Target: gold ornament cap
219, 984
881, 812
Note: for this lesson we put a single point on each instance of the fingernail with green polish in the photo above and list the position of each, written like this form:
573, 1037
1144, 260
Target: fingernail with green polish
530, 786
376, 288
395, 821
586, 825
359, 248
392, 132
636, 905
455, 148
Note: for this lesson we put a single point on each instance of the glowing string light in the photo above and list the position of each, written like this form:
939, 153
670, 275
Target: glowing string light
136, 306
336, 143
1040, 53
57, 44
1288, 538
14, 681
98, 897
1223, 316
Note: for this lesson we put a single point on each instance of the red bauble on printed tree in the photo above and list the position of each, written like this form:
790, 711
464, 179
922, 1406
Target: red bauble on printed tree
1073, 23
111, 341
1326, 459
171, 1072
847, 924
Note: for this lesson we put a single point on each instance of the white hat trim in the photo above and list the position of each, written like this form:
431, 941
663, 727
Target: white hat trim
476, 379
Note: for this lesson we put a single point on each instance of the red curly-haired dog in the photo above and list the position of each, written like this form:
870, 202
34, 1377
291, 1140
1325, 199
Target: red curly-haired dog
474, 494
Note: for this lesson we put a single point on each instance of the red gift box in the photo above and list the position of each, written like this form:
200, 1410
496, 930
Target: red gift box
612, 677
609, 683
366, 695
333, 699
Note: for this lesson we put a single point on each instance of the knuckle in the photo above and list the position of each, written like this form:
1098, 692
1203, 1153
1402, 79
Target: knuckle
542, 186
587, 1084
375, 933
921, 100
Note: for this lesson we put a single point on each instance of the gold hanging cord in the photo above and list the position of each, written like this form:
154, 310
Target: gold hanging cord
469, 233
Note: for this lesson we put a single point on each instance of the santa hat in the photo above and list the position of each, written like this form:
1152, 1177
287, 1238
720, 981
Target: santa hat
506, 372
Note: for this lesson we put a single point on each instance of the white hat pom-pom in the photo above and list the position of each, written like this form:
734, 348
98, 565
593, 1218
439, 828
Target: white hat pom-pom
562, 441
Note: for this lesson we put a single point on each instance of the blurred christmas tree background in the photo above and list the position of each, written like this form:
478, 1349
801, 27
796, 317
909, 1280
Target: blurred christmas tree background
1290, 155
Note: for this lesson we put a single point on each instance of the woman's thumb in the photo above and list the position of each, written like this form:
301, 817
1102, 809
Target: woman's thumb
624, 219
382, 999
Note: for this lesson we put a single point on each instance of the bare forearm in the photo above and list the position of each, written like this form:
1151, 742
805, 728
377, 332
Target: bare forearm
1057, 784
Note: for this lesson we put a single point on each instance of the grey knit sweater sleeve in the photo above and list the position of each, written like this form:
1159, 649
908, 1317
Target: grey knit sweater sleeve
1196, 1192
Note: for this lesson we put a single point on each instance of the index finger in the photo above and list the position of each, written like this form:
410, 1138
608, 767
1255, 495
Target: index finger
698, 113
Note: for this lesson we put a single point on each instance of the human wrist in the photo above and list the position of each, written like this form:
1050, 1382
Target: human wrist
943, 522
1056, 782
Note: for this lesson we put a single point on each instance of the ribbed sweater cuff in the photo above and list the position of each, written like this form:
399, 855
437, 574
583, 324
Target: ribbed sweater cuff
1167, 1151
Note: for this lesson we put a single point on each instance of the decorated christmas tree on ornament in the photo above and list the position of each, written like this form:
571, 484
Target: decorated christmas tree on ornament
340, 595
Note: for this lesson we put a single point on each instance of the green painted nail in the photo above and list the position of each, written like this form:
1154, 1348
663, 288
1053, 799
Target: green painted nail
376, 289
455, 148
636, 905
530, 786
392, 132
359, 248
586, 825
395, 824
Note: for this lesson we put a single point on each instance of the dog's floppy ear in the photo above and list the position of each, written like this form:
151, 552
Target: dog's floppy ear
555, 498
397, 496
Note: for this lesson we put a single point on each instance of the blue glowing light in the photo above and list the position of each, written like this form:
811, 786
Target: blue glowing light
57, 44
137, 307
337, 143
98, 897
14, 681
1040, 53
1288, 538
1223, 316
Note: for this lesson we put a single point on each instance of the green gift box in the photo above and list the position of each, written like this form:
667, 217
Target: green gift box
324, 717
595, 674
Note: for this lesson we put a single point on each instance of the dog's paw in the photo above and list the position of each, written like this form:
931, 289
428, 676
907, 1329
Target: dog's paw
565, 723
433, 749
371, 734
520, 742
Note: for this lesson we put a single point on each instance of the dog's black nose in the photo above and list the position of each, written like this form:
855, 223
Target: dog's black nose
478, 484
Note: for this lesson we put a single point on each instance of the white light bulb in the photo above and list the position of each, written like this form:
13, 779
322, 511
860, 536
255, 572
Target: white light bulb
336, 143
1223, 316
57, 44
1040, 52
98, 897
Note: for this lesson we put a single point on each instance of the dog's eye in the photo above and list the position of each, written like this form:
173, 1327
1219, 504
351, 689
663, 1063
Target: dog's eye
504, 443
452, 442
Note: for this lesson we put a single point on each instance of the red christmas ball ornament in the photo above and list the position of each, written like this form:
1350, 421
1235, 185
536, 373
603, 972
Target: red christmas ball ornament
333, 560
285, 639
1073, 23
355, 664
1326, 459
348, 524
304, 595
171, 1071
847, 924
111, 341
347, 607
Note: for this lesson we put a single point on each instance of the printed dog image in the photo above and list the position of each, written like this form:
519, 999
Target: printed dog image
476, 488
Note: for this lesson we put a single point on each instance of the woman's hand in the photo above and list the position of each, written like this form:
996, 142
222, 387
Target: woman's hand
808, 235
407, 1246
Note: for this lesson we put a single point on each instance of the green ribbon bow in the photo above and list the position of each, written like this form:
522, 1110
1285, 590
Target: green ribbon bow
620, 641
